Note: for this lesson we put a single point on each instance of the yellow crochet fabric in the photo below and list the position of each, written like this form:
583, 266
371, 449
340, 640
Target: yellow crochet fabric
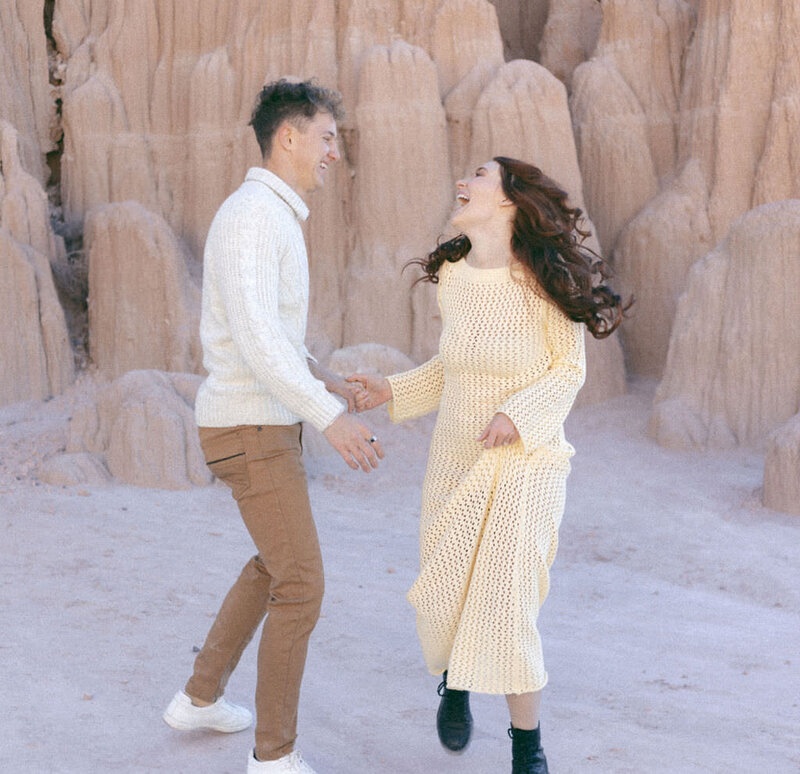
490, 518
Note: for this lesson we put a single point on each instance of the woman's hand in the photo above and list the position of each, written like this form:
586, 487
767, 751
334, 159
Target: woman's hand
501, 431
375, 390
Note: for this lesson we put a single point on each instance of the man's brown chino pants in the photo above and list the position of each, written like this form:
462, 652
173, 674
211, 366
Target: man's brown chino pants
263, 466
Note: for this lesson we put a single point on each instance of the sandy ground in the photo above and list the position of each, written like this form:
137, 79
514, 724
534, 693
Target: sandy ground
671, 632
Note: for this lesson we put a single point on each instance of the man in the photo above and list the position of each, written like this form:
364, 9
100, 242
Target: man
261, 383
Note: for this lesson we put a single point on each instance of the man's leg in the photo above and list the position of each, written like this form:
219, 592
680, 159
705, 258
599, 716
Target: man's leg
242, 611
263, 465
245, 605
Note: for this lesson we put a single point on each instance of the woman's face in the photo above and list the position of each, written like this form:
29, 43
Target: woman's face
480, 198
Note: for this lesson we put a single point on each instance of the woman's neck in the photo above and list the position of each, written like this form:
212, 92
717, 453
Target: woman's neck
491, 247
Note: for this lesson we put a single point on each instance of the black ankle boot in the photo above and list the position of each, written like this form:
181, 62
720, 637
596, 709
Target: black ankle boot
527, 755
453, 720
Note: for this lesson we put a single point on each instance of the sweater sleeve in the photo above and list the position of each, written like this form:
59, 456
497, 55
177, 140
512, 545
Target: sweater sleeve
539, 410
248, 276
416, 392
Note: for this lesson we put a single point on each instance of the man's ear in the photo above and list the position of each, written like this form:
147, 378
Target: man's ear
284, 135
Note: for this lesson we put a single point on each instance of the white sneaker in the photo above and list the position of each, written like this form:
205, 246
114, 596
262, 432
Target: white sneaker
292, 763
219, 716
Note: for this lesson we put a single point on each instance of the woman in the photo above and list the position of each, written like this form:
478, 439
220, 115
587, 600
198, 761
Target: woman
515, 290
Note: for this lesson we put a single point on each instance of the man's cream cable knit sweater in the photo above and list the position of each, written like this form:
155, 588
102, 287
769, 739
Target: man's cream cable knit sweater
254, 312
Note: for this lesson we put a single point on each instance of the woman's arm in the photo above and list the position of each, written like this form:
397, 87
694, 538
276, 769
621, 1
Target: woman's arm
416, 392
409, 394
539, 410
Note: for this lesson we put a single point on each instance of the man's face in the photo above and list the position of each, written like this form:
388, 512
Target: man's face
314, 150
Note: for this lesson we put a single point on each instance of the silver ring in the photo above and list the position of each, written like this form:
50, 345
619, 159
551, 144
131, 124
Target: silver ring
373, 439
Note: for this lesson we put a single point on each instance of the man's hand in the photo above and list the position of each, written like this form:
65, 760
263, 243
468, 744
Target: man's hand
340, 387
373, 390
501, 431
354, 441
335, 384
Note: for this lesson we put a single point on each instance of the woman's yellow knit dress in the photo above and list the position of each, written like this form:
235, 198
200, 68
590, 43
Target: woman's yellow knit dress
490, 518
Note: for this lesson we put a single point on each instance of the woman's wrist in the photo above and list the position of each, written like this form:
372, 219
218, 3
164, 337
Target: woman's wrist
386, 390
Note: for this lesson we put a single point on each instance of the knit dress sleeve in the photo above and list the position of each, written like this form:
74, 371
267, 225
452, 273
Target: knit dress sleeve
248, 275
416, 392
538, 411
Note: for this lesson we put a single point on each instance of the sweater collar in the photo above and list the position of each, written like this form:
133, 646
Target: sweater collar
281, 188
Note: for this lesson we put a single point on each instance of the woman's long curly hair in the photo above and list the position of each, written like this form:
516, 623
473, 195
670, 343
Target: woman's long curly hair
547, 240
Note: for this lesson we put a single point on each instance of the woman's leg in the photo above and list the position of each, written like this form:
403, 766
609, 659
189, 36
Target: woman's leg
527, 755
524, 709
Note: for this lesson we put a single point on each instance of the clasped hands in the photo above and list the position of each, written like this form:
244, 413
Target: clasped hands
374, 390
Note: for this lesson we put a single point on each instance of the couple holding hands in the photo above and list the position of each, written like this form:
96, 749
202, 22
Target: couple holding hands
515, 289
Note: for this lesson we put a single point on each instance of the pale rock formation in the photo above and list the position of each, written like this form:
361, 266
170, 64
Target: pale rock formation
330, 243
459, 106
156, 103
370, 359
402, 194
605, 371
364, 24
625, 108
782, 468
446, 29
25, 100
569, 36
778, 174
72, 469
521, 25
465, 34
24, 210
36, 357
142, 428
652, 259
739, 104
733, 368
646, 41
611, 134
144, 304
457, 34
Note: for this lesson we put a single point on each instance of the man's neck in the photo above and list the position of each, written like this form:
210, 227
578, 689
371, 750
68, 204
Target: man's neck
284, 170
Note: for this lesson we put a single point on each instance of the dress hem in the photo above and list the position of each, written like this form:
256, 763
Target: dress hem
475, 687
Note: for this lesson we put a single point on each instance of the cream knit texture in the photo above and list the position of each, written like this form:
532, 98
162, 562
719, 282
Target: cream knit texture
255, 310
490, 518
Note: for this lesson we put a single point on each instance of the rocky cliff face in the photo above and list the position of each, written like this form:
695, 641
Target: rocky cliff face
667, 120
34, 347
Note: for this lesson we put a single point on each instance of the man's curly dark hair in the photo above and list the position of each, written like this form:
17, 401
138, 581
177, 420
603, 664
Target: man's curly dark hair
295, 101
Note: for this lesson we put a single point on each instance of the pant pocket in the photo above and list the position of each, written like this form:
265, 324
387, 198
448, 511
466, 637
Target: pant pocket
267, 441
232, 471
